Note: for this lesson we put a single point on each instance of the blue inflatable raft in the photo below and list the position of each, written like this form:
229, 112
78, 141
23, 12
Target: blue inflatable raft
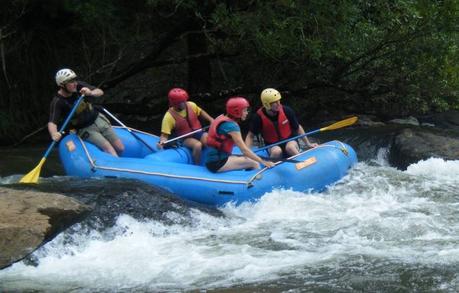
172, 169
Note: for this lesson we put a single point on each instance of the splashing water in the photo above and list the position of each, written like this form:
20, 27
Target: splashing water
378, 229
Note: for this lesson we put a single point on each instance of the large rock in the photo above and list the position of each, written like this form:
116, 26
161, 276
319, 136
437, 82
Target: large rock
445, 120
420, 143
29, 219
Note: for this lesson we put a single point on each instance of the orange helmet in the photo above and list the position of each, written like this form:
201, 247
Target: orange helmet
236, 105
177, 96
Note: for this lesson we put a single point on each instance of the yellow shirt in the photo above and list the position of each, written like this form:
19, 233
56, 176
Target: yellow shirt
168, 124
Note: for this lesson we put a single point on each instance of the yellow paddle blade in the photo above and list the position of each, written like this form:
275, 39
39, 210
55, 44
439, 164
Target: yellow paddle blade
32, 176
340, 124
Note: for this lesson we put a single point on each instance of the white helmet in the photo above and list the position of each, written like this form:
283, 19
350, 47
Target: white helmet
64, 75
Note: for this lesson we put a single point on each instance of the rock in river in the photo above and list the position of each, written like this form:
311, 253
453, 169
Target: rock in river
29, 219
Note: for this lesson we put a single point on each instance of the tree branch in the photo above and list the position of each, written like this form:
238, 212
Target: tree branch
164, 41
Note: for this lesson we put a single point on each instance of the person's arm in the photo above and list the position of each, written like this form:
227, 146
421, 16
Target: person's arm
254, 129
305, 138
97, 92
53, 132
163, 137
89, 90
237, 138
206, 116
249, 139
294, 124
167, 125
54, 117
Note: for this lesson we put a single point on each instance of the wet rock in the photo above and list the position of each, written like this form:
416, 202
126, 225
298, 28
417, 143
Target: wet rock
409, 121
420, 143
29, 219
446, 120
369, 121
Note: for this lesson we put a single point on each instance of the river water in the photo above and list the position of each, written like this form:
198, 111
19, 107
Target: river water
379, 229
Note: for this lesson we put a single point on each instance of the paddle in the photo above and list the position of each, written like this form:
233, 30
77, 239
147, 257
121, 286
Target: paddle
184, 135
272, 160
128, 129
337, 125
32, 176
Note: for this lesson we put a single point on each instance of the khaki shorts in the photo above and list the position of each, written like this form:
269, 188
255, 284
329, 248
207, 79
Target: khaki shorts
99, 133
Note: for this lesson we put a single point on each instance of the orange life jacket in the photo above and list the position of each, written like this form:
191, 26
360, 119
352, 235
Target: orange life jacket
272, 133
184, 125
221, 142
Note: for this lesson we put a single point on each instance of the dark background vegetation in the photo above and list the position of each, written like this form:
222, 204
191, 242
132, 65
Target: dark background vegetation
328, 58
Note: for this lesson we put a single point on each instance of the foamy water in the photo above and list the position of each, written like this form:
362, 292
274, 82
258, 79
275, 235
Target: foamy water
376, 223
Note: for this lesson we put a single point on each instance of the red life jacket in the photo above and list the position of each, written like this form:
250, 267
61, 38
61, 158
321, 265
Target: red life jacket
273, 133
187, 124
221, 142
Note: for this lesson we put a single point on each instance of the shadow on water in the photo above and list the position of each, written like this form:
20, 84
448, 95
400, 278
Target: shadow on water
21, 160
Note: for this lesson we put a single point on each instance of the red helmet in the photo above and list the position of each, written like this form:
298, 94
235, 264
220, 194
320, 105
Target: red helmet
177, 96
236, 105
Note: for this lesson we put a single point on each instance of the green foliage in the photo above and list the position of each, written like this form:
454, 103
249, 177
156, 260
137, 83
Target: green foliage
385, 51
388, 57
